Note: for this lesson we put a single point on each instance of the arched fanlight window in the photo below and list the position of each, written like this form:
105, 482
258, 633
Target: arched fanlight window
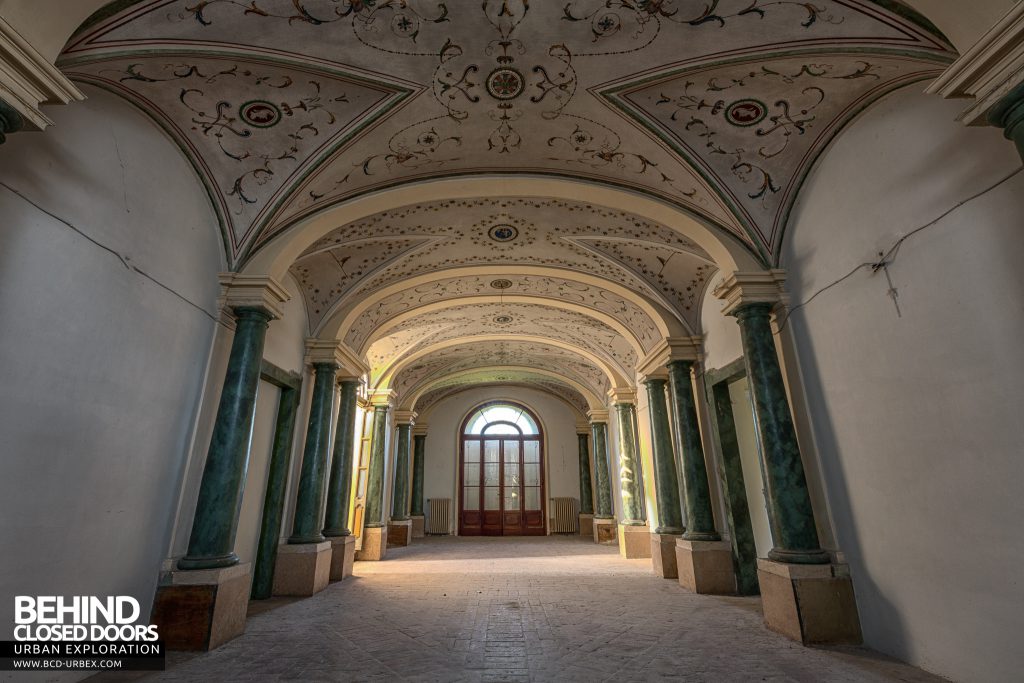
501, 418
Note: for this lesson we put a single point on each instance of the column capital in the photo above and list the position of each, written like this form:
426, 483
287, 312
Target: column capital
405, 417
622, 395
598, 416
337, 352
667, 350
382, 398
988, 72
760, 287
582, 427
420, 429
238, 291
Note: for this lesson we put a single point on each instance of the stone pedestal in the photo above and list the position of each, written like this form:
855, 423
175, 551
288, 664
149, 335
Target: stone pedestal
375, 544
201, 609
302, 569
705, 567
634, 542
586, 525
418, 526
400, 533
810, 603
343, 556
663, 555
605, 531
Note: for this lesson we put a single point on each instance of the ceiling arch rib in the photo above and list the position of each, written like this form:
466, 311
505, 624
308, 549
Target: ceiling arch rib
355, 319
358, 260
569, 390
451, 357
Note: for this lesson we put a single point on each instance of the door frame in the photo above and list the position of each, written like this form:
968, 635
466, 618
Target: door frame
540, 438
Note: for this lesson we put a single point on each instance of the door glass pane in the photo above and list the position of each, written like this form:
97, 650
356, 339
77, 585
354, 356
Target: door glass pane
472, 451
491, 451
471, 474
531, 474
471, 498
364, 456
512, 474
511, 451
491, 474
361, 487
512, 499
531, 451
532, 498
492, 498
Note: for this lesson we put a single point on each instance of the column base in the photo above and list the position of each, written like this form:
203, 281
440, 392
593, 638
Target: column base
586, 525
605, 531
812, 604
343, 556
375, 544
418, 526
705, 567
634, 542
663, 555
302, 569
400, 533
201, 609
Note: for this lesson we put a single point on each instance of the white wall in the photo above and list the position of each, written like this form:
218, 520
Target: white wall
722, 343
918, 418
442, 446
102, 368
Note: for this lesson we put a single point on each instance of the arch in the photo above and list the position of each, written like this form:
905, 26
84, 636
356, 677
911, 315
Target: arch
341, 318
593, 400
436, 306
615, 378
523, 384
276, 256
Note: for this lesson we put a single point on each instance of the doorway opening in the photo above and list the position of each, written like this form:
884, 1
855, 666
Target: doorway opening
501, 472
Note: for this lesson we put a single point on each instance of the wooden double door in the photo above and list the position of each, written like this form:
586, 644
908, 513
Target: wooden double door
502, 486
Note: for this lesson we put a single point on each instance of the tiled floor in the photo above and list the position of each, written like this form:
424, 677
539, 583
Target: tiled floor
538, 609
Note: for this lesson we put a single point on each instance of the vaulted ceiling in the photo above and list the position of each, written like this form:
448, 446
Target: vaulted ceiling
718, 108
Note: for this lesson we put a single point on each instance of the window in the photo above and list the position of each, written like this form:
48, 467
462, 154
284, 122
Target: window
502, 419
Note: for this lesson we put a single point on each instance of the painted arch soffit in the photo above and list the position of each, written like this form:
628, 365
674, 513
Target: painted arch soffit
645, 321
353, 263
501, 319
436, 364
500, 379
509, 86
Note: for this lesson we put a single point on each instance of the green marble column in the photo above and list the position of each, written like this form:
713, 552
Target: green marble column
307, 524
339, 486
400, 498
789, 503
1009, 115
586, 494
629, 466
700, 519
419, 452
212, 541
375, 484
273, 501
665, 478
604, 510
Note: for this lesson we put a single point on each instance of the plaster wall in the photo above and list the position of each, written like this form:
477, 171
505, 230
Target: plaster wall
916, 415
103, 367
722, 343
442, 446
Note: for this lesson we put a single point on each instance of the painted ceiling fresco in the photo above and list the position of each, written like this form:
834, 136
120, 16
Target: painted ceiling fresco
501, 379
717, 107
289, 106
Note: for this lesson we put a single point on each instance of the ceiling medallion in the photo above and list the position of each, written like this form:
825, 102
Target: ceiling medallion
505, 83
503, 232
260, 113
501, 284
746, 113
503, 319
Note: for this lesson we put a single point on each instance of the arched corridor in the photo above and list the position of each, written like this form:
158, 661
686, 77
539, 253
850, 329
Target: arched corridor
669, 338
511, 610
